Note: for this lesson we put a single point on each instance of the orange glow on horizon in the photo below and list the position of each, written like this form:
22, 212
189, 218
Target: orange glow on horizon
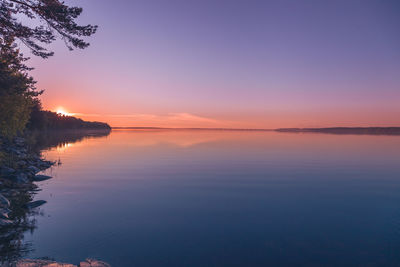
62, 111
349, 117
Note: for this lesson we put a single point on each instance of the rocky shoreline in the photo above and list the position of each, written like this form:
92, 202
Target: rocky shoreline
20, 166
18, 172
48, 263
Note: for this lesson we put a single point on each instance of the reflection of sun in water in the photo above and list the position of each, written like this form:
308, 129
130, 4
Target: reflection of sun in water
62, 111
63, 146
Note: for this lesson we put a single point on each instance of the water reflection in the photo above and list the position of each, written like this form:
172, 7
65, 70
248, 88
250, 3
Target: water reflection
62, 139
219, 198
12, 246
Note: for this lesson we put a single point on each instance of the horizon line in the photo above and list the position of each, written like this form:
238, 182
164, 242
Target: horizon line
253, 129
192, 128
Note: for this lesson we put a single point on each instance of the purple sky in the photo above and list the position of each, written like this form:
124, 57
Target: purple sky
231, 63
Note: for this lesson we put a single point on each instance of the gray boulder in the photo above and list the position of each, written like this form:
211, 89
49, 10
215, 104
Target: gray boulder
40, 263
39, 178
49, 263
33, 169
35, 204
93, 263
46, 164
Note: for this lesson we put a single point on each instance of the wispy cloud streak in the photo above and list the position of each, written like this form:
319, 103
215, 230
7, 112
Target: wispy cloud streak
173, 118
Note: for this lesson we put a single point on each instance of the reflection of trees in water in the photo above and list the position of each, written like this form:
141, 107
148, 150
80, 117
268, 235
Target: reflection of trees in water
52, 139
12, 244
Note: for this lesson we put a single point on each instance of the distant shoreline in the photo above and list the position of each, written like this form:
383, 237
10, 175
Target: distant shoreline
345, 130
195, 129
328, 130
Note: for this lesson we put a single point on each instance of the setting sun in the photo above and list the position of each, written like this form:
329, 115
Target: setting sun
61, 111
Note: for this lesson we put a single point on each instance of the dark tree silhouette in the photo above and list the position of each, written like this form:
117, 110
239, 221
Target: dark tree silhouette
17, 90
35, 23
52, 19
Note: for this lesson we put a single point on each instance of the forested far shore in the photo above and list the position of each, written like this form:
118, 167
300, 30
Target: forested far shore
346, 130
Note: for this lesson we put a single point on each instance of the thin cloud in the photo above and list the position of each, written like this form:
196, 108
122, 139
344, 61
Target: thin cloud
190, 117
170, 117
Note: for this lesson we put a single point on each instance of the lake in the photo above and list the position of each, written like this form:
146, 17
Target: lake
221, 198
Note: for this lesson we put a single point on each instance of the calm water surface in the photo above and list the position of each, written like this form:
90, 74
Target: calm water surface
220, 198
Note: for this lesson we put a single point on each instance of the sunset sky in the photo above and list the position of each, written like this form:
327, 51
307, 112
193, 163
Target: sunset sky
227, 63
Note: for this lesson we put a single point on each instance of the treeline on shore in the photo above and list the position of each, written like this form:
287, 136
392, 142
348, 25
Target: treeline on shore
47, 120
25, 128
20, 107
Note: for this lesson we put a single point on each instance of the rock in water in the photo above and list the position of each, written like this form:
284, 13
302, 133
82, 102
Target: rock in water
33, 169
48, 263
93, 263
45, 164
41, 263
4, 202
39, 178
35, 204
